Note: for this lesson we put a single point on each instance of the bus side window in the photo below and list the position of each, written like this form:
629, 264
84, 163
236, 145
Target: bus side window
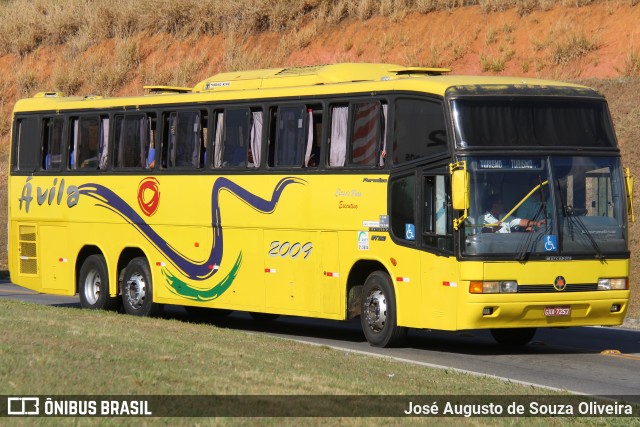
27, 144
52, 143
183, 141
88, 143
420, 130
436, 228
233, 141
131, 141
402, 215
291, 136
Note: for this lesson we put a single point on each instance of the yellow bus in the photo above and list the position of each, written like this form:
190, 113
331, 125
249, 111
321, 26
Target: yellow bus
407, 196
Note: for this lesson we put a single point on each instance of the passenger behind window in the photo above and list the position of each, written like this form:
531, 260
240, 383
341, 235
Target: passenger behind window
91, 152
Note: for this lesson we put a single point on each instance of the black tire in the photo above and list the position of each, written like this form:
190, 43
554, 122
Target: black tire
137, 289
513, 337
264, 317
378, 314
93, 285
205, 313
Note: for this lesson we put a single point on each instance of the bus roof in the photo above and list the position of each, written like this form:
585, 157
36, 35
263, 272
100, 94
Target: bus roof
294, 81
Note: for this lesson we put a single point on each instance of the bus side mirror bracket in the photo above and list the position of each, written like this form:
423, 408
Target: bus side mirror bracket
628, 181
459, 191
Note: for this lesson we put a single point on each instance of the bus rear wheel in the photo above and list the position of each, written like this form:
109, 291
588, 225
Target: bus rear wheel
513, 337
137, 289
93, 285
378, 314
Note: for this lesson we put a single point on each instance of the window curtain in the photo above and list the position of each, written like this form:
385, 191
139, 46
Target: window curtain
366, 132
256, 138
307, 154
74, 149
142, 141
172, 139
383, 130
217, 158
339, 119
151, 155
103, 156
195, 153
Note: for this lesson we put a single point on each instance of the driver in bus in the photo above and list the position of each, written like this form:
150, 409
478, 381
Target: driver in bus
493, 222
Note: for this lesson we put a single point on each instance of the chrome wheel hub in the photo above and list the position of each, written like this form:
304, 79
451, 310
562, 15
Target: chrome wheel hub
92, 287
135, 290
376, 310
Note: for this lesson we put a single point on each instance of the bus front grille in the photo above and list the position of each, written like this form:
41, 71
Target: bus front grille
541, 289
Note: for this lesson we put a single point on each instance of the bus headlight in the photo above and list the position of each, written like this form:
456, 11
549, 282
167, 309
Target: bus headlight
508, 287
613, 284
501, 287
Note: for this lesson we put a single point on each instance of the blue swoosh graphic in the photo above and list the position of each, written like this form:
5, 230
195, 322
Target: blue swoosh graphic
194, 270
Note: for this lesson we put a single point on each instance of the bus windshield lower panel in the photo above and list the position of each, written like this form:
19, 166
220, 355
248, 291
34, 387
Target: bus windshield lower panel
545, 206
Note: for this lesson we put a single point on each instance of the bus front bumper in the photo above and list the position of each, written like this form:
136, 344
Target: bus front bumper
602, 308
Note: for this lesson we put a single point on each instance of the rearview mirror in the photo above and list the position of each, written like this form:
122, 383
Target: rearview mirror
460, 189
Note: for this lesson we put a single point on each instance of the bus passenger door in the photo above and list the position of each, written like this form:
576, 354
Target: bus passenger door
439, 266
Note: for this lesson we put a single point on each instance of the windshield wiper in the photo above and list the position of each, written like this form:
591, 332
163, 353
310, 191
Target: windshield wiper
568, 213
526, 242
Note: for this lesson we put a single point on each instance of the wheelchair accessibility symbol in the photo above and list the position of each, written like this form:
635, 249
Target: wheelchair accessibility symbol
410, 231
550, 243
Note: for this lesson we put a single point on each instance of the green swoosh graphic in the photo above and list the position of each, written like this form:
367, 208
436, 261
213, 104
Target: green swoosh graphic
180, 288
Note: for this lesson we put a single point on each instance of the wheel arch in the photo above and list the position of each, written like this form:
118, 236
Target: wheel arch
85, 253
125, 258
355, 282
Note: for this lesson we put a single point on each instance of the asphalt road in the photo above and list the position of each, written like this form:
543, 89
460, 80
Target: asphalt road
589, 360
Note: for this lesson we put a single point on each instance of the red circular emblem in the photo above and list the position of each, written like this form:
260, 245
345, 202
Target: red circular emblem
149, 195
560, 284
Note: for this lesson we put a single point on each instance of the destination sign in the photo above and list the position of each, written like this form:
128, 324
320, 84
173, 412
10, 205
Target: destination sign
505, 163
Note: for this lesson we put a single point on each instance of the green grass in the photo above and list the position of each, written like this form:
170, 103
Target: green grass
65, 351
74, 351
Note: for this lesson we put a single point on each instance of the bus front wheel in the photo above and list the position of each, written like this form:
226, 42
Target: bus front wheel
137, 289
378, 314
93, 285
514, 336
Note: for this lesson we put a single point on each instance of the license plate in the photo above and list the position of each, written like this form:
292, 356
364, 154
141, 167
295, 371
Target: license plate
564, 310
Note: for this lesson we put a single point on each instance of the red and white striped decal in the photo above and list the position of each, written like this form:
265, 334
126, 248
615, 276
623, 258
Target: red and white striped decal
160, 264
450, 284
403, 279
332, 274
269, 270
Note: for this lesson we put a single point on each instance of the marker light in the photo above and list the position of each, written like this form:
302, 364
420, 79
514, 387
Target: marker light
503, 287
613, 284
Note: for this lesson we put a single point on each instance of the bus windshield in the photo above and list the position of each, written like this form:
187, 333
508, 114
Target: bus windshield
532, 122
545, 206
